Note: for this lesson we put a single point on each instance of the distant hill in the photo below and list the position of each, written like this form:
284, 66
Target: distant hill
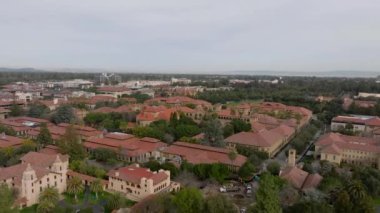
26, 69
349, 74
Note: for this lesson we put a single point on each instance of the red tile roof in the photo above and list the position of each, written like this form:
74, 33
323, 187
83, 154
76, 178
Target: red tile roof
284, 130
263, 138
50, 149
197, 154
87, 178
300, 179
39, 162
335, 143
128, 144
41, 159
179, 100
113, 89
9, 141
134, 174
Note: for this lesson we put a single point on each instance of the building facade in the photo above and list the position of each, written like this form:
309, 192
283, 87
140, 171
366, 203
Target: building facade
338, 148
36, 172
137, 183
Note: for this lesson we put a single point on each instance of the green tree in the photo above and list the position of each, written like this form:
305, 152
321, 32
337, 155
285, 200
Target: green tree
311, 206
44, 137
48, 199
189, 200
45, 207
6, 130
342, 203
232, 155
361, 201
213, 133
7, 199
219, 204
148, 132
240, 126
16, 110
37, 111
70, 143
50, 195
96, 187
115, 201
104, 155
247, 170
228, 130
274, 168
64, 114
356, 190
267, 196
75, 187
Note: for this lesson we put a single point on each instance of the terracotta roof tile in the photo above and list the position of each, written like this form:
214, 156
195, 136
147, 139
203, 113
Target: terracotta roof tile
197, 154
134, 174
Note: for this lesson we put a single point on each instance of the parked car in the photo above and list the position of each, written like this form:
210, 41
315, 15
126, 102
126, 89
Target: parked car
229, 189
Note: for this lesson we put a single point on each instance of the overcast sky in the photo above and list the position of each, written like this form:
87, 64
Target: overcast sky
191, 35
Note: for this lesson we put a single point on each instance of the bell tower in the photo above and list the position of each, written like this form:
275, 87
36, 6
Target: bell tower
292, 158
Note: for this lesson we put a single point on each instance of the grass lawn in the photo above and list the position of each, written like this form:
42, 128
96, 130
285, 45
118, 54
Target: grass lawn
70, 199
376, 201
31, 209
92, 197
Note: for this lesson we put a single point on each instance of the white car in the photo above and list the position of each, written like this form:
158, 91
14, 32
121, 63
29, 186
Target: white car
223, 189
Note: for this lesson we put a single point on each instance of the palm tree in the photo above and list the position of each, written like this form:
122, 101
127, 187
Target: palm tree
49, 195
96, 187
75, 186
45, 207
356, 191
115, 201
232, 155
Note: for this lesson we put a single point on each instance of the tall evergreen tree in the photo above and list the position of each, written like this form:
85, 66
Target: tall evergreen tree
267, 196
44, 137
6, 199
213, 133
70, 143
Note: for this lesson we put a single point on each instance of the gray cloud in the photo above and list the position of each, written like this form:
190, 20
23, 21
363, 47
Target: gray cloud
192, 35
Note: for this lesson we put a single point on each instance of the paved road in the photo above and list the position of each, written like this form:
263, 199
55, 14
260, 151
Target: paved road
311, 143
281, 156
